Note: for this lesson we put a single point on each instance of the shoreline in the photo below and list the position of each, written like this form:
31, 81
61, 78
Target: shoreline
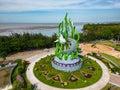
17, 26
47, 29
7, 29
43, 31
28, 27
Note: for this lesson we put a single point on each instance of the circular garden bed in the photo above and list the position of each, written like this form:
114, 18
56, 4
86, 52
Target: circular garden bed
89, 73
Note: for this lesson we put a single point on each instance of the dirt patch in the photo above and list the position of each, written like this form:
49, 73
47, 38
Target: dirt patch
25, 54
4, 77
100, 48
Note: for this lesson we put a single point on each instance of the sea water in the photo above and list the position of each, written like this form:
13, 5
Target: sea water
45, 29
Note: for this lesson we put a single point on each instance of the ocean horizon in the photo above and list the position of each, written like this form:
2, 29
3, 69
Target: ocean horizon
47, 29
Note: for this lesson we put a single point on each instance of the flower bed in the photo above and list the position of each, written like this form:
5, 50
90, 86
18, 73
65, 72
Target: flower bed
44, 71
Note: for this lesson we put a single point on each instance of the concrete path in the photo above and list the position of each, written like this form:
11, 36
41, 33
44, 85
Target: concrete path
115, 80
37, 57
41, 86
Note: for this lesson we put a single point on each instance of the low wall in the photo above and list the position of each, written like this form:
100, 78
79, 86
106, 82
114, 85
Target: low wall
6, 66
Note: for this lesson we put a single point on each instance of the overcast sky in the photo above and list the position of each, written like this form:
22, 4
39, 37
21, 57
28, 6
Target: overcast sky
46, 11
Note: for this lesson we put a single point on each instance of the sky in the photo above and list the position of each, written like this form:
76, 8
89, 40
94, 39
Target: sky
53, 11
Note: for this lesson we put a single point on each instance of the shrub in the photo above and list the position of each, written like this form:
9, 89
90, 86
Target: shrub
17, 85
21, 70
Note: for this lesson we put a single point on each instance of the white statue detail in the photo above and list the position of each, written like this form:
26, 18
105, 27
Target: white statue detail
62, 40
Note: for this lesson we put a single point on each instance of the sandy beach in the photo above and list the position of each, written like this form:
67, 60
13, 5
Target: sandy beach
8, 29
27, 26
45, 28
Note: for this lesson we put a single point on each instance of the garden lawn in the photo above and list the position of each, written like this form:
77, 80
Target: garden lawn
44, 71
115, 60
111, 87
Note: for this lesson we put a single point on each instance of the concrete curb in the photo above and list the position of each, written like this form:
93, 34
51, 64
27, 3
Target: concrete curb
11, 72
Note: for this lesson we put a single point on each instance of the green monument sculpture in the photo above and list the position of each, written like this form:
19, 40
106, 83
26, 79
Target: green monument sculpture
67, 51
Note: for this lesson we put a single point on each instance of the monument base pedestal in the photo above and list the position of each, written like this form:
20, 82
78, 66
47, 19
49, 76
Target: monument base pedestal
67, 65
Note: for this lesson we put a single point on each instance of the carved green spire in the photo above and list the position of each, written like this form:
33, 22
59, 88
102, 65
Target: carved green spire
66, 35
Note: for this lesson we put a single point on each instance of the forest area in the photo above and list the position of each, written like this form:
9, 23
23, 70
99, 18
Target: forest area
93, 32
24, 42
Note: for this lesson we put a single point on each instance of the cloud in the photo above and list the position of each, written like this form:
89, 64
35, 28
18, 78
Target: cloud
31, 5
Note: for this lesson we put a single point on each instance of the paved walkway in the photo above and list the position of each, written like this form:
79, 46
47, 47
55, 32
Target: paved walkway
41, 86
115, 79
37, 57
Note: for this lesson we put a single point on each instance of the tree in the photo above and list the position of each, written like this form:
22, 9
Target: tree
100, 31
3, 55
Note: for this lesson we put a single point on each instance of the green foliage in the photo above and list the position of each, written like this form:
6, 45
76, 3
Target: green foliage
17, 42
19, 61
110, 86
112, 58
3, 55
17, 85
111, 62
100, 31
21, 70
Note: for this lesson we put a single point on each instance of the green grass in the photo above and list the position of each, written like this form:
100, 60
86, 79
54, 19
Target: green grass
111, 62
17, 84
112, 58
81, 82
109, 43
111, 87
115, 62
106, 42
